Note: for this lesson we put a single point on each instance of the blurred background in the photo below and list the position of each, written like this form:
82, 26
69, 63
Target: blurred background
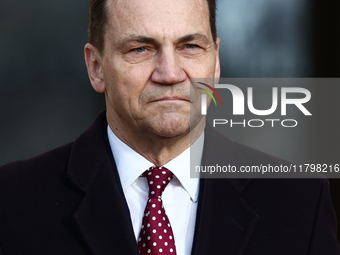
46, 99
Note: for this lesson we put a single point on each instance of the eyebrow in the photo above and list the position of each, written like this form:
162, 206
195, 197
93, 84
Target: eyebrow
139, 38
150, 40
192, 37
136, 38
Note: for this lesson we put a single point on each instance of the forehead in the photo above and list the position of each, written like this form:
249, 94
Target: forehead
157, 18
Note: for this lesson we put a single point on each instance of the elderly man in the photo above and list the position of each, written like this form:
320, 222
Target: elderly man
123, 187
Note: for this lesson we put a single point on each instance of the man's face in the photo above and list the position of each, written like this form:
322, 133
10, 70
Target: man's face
152, 49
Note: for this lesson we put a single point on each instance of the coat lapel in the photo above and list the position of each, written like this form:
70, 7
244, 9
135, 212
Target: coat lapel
225, 221
102, 217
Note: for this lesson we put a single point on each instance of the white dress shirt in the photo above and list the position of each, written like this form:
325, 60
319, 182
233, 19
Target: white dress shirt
179, 197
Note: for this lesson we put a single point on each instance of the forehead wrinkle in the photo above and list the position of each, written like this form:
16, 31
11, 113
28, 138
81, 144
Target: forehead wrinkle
132, 8
118, 19
117, 11
124, 14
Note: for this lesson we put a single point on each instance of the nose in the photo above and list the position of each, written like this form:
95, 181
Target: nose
168, 69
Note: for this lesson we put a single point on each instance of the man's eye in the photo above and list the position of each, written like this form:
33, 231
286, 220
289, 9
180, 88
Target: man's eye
190, 46
140, 49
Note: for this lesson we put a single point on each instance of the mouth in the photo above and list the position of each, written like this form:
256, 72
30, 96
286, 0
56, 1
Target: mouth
170, 99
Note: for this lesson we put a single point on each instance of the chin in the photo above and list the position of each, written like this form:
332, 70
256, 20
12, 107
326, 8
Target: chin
171, 126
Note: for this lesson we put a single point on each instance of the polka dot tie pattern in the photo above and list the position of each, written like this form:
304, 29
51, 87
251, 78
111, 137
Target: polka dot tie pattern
156, 236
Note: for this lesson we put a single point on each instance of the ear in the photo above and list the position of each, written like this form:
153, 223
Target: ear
217, 66
94, 68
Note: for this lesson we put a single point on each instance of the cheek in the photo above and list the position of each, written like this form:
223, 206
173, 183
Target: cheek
203, 67
126, 86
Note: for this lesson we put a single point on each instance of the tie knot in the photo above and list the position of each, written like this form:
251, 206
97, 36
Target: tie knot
158, 179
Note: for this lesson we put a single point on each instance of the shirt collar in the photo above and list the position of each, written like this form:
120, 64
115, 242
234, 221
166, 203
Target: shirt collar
131, 165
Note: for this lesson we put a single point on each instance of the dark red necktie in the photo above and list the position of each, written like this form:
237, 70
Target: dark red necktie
156, 236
